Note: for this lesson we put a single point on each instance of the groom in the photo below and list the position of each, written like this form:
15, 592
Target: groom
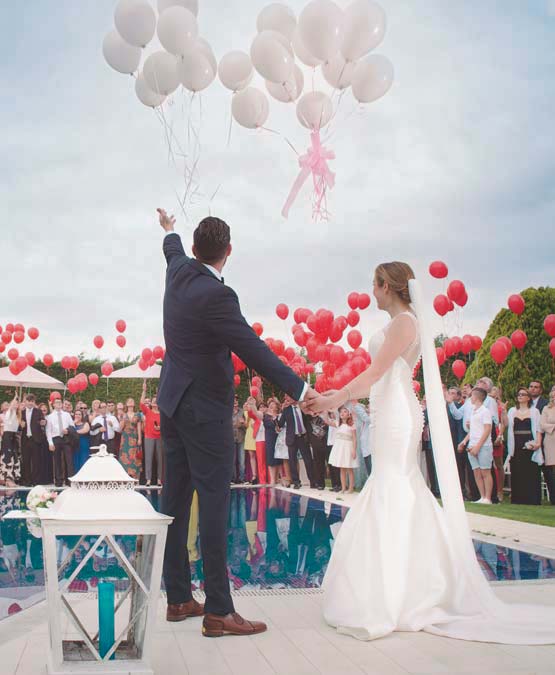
203, 324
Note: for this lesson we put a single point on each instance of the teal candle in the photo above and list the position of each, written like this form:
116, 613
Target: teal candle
106, 617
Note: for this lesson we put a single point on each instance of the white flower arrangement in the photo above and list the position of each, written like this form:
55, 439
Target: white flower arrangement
40, 498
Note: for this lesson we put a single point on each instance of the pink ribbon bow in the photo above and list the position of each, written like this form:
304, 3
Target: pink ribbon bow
315, 162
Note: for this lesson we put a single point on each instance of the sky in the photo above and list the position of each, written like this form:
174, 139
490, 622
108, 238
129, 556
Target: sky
455, 163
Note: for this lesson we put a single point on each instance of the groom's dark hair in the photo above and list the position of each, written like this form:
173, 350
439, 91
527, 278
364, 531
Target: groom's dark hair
211, 240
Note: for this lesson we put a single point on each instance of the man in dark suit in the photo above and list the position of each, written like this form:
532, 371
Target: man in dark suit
203, 324
296, 439
535, 390
32, 435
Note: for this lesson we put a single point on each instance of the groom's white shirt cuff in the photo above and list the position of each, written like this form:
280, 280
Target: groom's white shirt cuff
219, 276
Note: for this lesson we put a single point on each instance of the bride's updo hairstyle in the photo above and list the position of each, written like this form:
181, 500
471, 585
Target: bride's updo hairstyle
397, 276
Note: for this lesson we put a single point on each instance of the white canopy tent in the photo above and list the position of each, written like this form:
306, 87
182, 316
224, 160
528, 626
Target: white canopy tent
30, 378
135, 373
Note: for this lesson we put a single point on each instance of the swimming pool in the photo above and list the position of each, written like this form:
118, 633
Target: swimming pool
276, 540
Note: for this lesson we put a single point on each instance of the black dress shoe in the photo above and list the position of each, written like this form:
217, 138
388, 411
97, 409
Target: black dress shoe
254, 481
296, 486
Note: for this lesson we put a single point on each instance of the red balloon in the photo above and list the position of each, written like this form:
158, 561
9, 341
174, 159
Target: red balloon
254, 392
121, 341
73, 386
13, 353
298, 315
342, 322
353, 318
146, 354
416, 386
98, 342
107, 369
121, 326
74, 363
6, 337
461, 302
30, 358
451, 306
441, 356
337, 355
352, 300
93, 379
313, 323
143, 364
66, 362
441, 304
549, 325
258, 328
476, 343
459, 369
14, 370
19, 328
449, 346
10, 328
519, 339
498, 352
438, 269
466, 344
358, 365
236, 380
508, 344
18, 336
457, 344
152, 361
158, 352
54, 396
456, 291
552, 347
21, 363
282, 311
256, 381
354, 338
33, 333
2, 346
300, 337
516, 304
335, 333
321, 353
364, 301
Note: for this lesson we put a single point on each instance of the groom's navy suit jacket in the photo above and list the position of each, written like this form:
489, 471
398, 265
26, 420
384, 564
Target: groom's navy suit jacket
203, 324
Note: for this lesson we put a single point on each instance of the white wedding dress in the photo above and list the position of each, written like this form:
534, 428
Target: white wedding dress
401, 562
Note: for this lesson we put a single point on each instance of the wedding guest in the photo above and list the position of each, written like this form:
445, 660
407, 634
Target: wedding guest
31, 439
120, 411
361, 419
239, 430
281, 452
130, 454
297, 440
498, 442
259, 432
457, 435
548, 429
57, 432
10, 468
67, 406
335, 477
250, 442
535, 389
83, 428
479, 444
94, 411
524, 445
47, 461
428, 451
344, 452
317, 436
153, 441
268, 417
103, 428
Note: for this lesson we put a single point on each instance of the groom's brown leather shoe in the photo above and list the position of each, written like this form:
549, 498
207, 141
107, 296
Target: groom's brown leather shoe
184, 610
214, 625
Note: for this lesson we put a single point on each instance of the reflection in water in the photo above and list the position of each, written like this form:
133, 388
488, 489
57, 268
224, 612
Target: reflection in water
275, 540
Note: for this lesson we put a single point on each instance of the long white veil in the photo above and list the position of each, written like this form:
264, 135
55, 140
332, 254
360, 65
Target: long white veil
494, 621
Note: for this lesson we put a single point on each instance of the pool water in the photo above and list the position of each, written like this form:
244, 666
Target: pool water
276, 539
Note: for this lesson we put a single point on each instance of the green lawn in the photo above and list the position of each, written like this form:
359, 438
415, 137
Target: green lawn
539, 515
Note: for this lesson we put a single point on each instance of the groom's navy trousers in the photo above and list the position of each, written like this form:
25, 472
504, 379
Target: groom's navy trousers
203, 324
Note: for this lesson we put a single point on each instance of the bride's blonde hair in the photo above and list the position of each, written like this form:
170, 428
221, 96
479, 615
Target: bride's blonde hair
397, 276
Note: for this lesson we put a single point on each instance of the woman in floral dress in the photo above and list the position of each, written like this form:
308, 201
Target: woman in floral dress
131, 451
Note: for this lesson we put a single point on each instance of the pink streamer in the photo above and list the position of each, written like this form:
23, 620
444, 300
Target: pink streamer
315, 162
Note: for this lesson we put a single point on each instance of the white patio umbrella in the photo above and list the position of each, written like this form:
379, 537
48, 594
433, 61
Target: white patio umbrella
133, 372
30, 378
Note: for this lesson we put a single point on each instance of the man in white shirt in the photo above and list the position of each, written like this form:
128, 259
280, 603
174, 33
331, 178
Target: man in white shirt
479, 444
31, 439
104, 428
57, 433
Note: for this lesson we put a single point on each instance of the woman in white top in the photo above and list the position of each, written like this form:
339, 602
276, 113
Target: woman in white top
10, 470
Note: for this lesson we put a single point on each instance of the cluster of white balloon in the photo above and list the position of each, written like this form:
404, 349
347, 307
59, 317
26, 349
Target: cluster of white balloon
186, 59
324, 36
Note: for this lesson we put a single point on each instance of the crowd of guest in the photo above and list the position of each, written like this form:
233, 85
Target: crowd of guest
44, 443
497, 447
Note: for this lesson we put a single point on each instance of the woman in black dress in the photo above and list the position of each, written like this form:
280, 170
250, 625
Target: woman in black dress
270, 426
524, 440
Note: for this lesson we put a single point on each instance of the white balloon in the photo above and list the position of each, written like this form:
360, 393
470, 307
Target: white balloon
288, 91
191, 5
160, 71
314, 110
206, 49
302, 52
372, 78
195, 71
146, 95
365, 23
235, 70
321, 28
250, 108
135, 21
338, 72
278, 17
177, 30
119, 54
271, 58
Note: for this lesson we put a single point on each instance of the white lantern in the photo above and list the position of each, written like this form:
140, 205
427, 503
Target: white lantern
107, 517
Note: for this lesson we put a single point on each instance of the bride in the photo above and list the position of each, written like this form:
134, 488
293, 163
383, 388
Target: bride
401, 561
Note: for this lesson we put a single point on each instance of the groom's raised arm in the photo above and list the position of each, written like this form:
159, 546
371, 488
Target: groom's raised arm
224, 318
173, 248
